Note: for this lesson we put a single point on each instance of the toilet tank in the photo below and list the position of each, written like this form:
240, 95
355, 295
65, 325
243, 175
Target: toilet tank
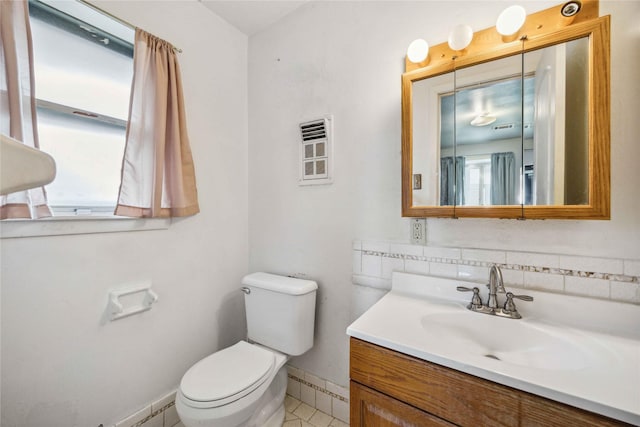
280, 311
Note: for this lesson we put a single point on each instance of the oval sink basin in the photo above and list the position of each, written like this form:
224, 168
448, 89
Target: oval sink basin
505, 340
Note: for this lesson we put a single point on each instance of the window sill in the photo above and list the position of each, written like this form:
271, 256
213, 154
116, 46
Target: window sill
60, 226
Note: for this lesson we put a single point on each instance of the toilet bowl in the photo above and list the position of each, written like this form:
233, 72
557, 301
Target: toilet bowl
244, 385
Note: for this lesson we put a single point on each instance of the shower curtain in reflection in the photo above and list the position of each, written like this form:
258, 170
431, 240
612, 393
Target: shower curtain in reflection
451, 179
503, 179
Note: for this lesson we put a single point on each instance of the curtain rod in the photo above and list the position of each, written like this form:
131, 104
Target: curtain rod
120, 20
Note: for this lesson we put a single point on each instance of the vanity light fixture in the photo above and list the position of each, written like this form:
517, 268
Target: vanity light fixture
570, 9
418, 51
511, 20
460, 37
484, 119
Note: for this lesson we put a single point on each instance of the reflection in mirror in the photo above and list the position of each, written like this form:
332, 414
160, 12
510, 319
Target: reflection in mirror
520, 135
427, 120
557, 165
488, 133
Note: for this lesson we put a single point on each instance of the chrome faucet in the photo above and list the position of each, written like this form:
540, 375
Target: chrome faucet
496, 285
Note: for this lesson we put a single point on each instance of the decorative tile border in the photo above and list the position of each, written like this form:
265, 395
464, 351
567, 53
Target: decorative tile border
606, 278
153, 414
160, 413
317, 388
519, 267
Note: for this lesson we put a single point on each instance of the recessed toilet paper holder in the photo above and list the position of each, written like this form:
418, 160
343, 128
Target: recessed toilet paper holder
117, 309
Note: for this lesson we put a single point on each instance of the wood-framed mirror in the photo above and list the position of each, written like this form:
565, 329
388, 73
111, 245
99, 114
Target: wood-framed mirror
511, 129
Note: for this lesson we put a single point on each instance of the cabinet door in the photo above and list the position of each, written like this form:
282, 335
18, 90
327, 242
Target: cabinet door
372, 409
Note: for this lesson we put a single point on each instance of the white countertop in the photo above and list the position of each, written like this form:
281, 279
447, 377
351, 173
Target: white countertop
603, 338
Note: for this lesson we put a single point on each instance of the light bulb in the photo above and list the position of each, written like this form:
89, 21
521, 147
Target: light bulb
460, 37
511, 20
418, 51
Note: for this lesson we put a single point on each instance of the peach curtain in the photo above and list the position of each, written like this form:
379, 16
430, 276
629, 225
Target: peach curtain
158, 175
17, 102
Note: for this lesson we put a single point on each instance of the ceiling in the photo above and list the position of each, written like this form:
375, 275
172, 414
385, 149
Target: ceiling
252, 16
503, 99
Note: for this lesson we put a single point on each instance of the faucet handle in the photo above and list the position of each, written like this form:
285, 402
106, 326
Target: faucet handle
509, 305
476, 301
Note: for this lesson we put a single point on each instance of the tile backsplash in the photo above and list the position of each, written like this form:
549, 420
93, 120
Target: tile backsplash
161, 413
318, 393
607, 278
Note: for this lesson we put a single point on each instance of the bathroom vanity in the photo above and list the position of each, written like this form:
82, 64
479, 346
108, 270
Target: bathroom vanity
391, 388
418, 357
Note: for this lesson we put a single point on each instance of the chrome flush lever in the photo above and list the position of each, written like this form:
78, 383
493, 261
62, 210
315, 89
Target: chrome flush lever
246, 290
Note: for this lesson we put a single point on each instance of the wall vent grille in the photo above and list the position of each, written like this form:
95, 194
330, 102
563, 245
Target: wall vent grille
316, 152
313, 130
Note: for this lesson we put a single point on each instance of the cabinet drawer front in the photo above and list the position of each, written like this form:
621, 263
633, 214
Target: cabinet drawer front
370, 408
446, 393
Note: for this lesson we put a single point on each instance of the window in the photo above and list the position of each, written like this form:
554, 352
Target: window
477, 180
83, 65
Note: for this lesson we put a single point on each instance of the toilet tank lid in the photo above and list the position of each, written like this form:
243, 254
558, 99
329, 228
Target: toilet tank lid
282, 284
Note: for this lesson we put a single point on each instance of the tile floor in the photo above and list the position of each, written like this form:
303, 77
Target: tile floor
300, 414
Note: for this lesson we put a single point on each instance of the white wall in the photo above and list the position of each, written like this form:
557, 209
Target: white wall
60, 365
346, 58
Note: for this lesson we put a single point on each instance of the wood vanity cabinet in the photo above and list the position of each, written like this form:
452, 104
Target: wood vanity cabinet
392, 389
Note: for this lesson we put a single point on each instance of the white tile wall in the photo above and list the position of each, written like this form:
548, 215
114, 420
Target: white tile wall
133, 419
632, 267
357, 262
293, 388
513, 277
443, 270
625, 291
609, 278
547, 282
323, 402
484, 255
372, 265
471, 272
308, 395
418, 267
317, 393
598, 288
160, 413
340, 409
389, 265
171, 417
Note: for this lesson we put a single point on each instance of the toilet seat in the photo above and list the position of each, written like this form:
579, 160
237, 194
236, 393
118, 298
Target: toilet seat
227, 375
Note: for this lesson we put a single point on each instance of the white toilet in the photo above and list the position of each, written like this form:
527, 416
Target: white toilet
245, 384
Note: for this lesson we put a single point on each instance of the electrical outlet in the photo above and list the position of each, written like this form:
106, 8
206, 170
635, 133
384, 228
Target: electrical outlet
418, 231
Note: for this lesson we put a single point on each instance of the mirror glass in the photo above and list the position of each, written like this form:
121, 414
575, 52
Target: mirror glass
513, 131
428, 120
488, 133
557, 163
